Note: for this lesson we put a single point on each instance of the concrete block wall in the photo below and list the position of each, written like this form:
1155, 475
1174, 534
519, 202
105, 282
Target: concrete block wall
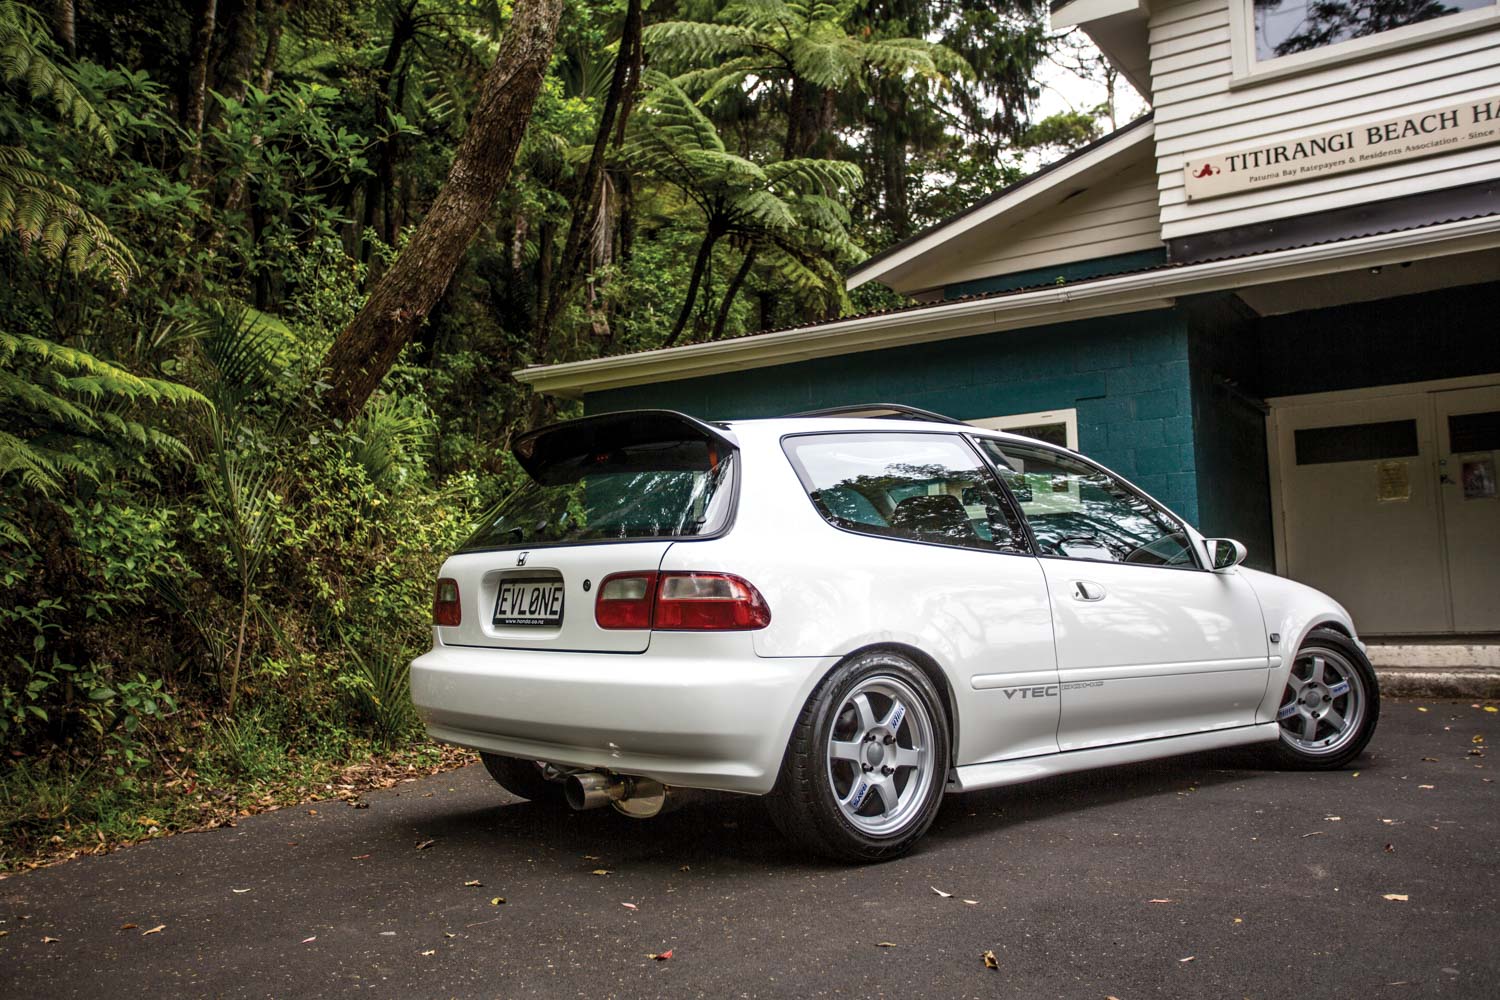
1127, 376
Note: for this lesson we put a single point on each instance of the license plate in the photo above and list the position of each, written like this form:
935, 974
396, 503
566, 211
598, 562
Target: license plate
529, 602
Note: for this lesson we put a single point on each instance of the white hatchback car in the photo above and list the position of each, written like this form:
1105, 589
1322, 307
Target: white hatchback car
852, 615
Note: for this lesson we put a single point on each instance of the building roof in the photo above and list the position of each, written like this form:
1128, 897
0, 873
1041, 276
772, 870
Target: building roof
1056, 179
1139, 290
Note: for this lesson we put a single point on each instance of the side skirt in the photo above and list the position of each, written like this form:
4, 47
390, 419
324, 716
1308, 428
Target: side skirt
972, 777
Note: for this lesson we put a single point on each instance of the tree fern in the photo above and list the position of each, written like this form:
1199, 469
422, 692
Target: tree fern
24, 59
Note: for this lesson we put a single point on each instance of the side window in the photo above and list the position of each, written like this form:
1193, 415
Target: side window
1078, 511
914, 487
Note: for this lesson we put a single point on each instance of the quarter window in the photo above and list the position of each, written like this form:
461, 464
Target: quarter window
1286, 27
914, 487
1079, 511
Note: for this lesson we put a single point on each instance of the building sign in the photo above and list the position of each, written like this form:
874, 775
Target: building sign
1354, 147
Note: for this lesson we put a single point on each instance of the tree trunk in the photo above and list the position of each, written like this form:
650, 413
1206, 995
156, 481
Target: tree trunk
197, 84
731, 292
240, 47
65, 23
275, 19
586, 204
403, 296
705, 252
381, 183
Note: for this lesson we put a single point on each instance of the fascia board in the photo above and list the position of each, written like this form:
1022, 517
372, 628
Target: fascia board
1071, 173
1083, 11
1146, 290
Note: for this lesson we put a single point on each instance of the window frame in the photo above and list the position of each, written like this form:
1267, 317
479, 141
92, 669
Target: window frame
1027, 547
1246, 70
1194, 545
1068, 417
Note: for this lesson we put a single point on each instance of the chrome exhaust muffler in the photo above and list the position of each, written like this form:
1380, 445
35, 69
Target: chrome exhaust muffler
640, 798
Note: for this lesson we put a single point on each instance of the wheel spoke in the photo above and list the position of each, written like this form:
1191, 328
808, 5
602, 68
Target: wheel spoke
909, 757
1309, 728
889, 797
1318, 666
861, 703
1341, 688
858, 792
844, 750
1335, 720
1287, 711
892, 720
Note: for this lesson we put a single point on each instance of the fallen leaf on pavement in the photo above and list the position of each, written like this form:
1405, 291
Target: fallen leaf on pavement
629, 906
990, 961
1421, 709
1333, 819
425, 844
1390, 848
885, 944
430, 951
972, 902
1477, 739
945, 895
1315, 833
591, 857
1427, 786
1491, 708
472, 883
309, 940
498, 901
359, 857
1397, 897
602, 871
361, 805
129, 927
449, 934
1188, 959
1158, 900
1430, 760
312, 812
1388, 822
240, 891
155, 930
661, 956
50, 940
686, 868
1239, 920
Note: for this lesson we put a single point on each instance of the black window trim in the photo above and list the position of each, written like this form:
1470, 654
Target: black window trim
985, 467
1135, 490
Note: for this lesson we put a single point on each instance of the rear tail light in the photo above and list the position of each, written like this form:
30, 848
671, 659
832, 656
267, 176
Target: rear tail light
624, 600
447, 610
680, 602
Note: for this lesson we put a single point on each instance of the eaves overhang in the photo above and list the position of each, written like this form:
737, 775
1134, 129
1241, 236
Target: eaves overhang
1156, 288
1047, 186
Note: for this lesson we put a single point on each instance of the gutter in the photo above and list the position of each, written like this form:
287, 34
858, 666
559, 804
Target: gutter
1146, 290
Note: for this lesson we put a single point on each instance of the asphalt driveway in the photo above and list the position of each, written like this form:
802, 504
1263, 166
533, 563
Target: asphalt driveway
1205, 877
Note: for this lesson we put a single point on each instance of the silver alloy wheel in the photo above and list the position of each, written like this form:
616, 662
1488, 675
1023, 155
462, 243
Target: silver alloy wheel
1324, 702
880, 757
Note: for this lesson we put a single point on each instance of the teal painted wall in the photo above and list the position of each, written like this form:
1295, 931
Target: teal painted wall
1059, 274
1128, 377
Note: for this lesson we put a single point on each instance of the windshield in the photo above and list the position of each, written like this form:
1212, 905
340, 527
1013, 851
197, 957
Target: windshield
648, 490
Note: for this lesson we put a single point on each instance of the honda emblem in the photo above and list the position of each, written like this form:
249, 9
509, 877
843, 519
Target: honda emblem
521, 559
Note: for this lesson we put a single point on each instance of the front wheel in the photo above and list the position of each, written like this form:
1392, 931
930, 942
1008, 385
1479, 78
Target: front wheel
1330, 705
864, 772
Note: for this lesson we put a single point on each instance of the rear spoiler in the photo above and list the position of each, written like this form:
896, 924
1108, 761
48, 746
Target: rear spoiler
546, 446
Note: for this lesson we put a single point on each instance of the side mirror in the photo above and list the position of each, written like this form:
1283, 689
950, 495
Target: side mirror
1224, 553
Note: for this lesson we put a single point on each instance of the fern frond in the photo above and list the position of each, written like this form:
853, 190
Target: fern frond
24, 59
49, 219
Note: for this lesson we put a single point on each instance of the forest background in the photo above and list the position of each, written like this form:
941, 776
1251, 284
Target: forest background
226, 485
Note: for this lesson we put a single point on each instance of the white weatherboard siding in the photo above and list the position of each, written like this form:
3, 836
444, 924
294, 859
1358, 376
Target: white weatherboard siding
1115, 215
1199, 111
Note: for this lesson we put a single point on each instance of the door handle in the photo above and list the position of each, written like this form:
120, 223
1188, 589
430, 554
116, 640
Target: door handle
1087, 590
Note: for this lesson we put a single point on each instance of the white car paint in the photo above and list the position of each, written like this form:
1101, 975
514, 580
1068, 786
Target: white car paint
1170, 660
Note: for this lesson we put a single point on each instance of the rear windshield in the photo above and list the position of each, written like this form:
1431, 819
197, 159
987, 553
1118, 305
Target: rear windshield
657, 489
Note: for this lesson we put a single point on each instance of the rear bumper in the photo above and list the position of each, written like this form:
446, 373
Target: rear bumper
696, 712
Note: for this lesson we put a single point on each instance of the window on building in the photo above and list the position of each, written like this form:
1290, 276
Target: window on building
1079, 511
1059, 427
1286, 27
913, 487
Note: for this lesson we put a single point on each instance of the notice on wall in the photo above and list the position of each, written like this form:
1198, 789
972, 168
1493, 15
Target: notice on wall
1353, 147
1393, 481
1479, 479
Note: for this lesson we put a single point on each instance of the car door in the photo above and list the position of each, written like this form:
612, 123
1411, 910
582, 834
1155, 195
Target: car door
1149, 643
929, 554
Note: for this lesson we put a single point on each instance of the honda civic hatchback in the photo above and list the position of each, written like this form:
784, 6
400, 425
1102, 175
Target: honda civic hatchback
852, 615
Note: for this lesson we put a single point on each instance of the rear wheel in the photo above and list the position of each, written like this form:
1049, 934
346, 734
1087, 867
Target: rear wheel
527, 779
1330, 705
864, 772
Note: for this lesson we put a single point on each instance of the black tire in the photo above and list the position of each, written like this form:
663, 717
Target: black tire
818, 784
523, 778
1309, 741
